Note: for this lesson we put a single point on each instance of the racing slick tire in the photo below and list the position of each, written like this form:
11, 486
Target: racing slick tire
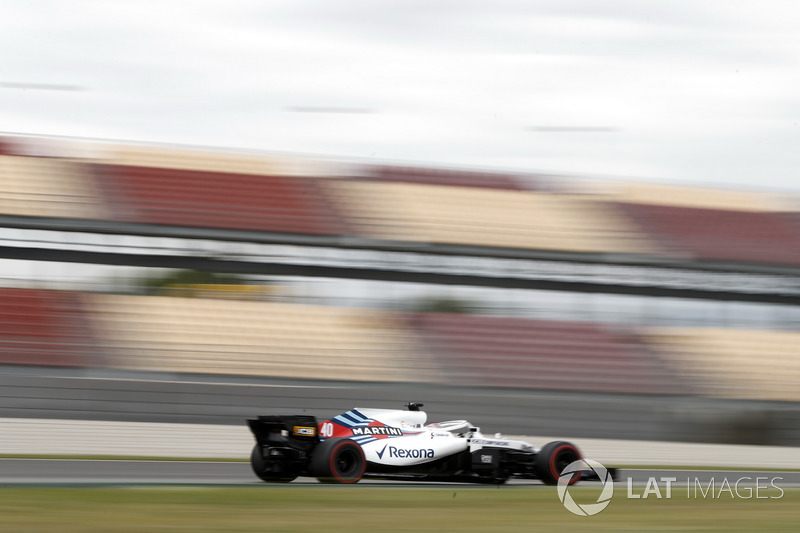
338, 461
553, 458
270, 471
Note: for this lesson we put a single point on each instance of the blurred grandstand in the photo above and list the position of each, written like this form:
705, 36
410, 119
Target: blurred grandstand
626, 290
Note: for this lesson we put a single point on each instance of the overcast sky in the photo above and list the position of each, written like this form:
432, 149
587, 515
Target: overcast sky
684, 91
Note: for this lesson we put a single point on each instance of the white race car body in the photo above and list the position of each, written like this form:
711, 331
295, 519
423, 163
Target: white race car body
398, 444
397, 438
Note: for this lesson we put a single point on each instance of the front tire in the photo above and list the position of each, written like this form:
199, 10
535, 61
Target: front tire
553, 458
338, 461
270, 471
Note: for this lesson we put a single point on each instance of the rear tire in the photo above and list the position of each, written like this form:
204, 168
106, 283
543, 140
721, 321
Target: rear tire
338, 461
553, 458
270, 471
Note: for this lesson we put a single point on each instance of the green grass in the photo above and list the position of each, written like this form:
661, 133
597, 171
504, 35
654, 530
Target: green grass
296, 508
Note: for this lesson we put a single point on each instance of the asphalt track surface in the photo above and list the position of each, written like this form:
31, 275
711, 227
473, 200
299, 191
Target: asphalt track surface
89, 472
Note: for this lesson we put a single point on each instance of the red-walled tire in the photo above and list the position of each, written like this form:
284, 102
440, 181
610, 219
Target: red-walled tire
553, 458
338, 461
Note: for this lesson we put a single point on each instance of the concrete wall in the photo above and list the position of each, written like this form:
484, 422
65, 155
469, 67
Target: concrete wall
82, 395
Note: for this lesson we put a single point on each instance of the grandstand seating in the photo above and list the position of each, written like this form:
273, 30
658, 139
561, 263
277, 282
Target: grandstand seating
48, 187
735, 363
7, 146
267, 339
542, 354
487, 217
452, 177
219, 200
44, 327
167, 334
721, 234
214, 189
696, 197
202, 160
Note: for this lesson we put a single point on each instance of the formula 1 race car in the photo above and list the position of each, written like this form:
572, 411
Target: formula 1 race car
396, 444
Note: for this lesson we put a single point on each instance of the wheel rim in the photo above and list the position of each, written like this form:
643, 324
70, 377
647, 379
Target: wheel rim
347, 463
563, 459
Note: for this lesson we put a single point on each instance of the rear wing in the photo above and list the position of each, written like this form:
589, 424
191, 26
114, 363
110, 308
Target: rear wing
298, 429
